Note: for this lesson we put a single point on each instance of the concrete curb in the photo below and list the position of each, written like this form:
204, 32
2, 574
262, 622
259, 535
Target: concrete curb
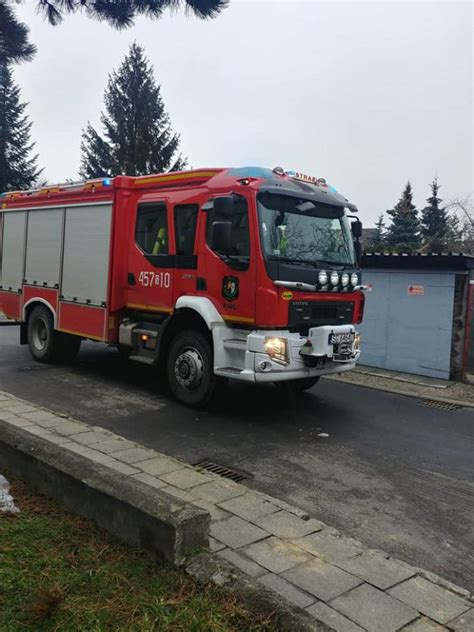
303, 566
403, 380
434, 398
209, 568
144, 517
167, 527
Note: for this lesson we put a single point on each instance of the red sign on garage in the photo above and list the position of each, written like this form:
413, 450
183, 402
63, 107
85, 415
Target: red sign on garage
417, 290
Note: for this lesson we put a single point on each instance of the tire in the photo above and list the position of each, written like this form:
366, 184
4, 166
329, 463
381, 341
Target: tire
302, 384
46, 344
190, 368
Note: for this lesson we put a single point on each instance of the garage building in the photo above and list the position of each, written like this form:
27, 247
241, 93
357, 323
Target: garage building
419, 316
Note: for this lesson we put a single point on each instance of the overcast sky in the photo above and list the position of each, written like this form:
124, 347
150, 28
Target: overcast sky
367, 94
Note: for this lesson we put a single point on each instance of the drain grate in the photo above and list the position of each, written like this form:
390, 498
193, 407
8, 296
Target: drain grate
220, 470
432, 403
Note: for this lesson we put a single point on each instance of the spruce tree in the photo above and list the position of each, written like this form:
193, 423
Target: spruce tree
403, 234
14, 43
377, 243
435, 227
454, 234
137, 137
18, 168
122, 14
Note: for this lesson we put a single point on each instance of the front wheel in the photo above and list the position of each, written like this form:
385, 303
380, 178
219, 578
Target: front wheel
190, 368
303, 384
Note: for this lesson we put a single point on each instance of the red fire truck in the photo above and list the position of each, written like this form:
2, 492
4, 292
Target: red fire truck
244, 273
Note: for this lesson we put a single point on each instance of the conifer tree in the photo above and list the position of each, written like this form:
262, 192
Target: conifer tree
122, 14
14, 43
137, 137
403, 234
377, 243
436, 230
454, 234
18, 168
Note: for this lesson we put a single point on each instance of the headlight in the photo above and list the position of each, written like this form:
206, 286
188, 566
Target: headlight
334, 278
356, 345
277, 349
354, 279
345, 279
323, 277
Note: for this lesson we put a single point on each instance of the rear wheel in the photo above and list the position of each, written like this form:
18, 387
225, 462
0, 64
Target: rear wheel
302, 384
46, 344
190, 369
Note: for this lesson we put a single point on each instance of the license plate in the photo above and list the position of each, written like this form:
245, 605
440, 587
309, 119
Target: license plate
340, 339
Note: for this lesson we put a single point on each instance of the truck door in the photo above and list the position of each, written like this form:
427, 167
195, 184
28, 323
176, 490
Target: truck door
185, 218
229, 279
150, 262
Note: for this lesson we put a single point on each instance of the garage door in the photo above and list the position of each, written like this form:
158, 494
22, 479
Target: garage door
408, 322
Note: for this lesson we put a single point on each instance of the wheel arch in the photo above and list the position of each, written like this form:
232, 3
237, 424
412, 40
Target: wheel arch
29, 306
203, 307
190, 312
181, 319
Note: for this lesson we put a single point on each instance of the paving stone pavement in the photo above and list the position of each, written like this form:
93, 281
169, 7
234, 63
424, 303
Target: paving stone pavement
335, 579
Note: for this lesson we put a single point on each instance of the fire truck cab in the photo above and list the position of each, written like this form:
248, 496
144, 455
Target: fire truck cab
244, 273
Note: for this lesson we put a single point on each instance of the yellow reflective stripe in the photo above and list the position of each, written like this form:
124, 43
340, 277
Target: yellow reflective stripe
237, 319
80, 333
150, 308
177, 176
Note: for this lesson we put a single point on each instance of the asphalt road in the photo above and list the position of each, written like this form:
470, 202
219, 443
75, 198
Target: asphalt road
392, 472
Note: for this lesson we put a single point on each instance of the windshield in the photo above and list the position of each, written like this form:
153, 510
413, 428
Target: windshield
298, 230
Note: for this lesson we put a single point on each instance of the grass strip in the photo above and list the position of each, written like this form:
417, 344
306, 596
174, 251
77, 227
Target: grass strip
60, 572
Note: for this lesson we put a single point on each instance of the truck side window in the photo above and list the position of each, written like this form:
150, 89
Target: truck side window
152, 228
185, 218
240, 235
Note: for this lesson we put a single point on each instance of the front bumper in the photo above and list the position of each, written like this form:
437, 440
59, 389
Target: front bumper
307, 356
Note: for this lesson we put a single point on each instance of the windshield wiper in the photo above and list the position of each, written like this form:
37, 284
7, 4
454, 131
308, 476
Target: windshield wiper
311, 264
328, 262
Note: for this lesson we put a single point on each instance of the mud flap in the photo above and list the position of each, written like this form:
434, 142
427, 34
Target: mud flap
24, 333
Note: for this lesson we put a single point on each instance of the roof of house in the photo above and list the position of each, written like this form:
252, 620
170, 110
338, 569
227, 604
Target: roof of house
418, 261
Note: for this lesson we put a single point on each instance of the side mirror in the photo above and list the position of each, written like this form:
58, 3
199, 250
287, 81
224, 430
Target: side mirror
224, 205
356, 228
358, 251
220, 237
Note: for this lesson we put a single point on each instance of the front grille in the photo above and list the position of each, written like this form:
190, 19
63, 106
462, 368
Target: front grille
306, 314
325, 314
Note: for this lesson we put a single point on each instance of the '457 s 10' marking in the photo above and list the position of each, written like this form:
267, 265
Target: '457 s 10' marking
150, 279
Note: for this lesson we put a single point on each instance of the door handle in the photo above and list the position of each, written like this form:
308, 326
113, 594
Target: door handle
201, 284
131, 279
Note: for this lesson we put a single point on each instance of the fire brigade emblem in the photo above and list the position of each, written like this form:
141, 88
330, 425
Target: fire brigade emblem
230, 288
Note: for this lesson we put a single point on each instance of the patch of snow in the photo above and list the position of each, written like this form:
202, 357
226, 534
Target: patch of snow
220, 578
6, 500
323, 434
